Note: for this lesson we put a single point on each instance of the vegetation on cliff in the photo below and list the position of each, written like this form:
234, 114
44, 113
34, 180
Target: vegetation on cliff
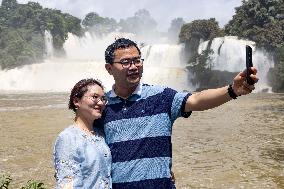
200, 64
276, 74
192, 33
22, 28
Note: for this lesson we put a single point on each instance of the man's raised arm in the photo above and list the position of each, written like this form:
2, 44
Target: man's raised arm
211, 98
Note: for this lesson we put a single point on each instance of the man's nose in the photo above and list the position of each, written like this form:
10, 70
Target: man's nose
132, 65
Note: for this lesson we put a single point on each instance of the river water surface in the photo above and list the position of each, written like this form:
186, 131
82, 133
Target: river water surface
237, 145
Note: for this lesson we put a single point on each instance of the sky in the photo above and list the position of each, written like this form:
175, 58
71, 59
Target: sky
163, 11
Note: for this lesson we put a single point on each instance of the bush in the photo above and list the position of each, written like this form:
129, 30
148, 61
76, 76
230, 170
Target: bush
34, 185
5, 181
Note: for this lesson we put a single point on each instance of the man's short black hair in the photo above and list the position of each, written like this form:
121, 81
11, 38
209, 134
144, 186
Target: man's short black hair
119, 43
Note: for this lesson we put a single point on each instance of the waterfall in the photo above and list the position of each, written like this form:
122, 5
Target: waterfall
164, 64
229, 54
85, 58
48, 44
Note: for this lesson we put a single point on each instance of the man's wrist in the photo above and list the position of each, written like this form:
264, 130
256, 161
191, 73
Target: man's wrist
231, 92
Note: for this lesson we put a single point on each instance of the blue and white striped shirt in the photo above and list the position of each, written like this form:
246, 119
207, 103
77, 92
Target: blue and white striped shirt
138, 131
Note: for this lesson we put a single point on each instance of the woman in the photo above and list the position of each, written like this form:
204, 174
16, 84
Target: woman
82, 159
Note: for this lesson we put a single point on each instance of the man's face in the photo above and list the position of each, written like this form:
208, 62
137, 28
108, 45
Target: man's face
126, 76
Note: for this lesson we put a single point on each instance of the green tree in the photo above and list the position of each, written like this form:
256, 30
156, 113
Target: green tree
99, 25
202, 29
261, 21
192, 33
92, 19
9, 4
22, 30
73, 24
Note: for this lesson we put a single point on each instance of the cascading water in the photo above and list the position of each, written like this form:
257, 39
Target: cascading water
163, 64
48, 39
85, 58
229, 54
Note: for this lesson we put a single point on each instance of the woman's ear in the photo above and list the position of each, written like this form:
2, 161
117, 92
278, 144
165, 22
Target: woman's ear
108, 68
76, 103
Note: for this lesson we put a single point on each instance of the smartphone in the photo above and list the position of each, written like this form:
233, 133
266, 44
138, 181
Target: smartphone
249, 64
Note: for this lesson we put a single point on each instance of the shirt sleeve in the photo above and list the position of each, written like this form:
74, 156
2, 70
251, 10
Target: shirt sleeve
66, 166
178, 105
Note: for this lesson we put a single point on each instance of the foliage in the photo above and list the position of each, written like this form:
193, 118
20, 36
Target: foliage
204, 76
34, 185
141, 23
276, 74
99, 25
91, 19
73, 24
192, 33
9, 4
201, 29
198, 66
22, 28
5, 181
261, 21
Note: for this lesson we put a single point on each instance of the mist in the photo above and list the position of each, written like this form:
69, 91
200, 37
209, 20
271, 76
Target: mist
163, 11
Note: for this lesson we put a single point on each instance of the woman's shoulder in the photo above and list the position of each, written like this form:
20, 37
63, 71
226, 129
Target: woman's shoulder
66, 139
68, 133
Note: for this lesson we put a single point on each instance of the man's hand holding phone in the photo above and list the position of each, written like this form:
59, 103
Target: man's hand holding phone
244, 82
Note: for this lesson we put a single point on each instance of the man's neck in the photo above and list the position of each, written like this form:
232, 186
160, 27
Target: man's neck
124, 92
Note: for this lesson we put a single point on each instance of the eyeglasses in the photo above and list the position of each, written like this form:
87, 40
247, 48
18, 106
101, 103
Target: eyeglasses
97, 98
126, 63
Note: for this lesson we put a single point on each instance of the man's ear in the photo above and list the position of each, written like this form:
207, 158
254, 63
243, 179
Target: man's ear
108, 67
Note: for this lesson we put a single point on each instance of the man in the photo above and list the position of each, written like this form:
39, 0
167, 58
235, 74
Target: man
138, 118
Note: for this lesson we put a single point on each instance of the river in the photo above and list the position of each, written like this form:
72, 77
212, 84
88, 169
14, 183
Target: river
237, 145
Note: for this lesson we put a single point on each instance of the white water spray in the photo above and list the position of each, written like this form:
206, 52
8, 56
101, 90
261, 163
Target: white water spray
85, 58
48, 39
163, 65
230, 55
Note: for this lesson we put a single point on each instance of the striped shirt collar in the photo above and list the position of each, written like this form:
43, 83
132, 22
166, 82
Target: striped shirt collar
137, 91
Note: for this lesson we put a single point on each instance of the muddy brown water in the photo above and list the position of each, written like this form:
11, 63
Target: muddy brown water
237, 145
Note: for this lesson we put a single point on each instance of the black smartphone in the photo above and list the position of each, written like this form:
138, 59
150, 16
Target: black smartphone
249, 64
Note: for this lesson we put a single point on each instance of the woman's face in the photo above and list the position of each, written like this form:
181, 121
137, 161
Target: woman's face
92, 103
